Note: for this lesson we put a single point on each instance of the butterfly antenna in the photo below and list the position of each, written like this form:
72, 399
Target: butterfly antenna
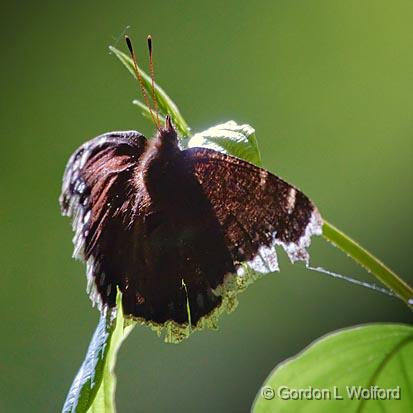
152, 73
139, 77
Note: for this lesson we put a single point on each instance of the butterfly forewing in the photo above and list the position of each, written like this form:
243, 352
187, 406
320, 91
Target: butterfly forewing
256, 209
97, 177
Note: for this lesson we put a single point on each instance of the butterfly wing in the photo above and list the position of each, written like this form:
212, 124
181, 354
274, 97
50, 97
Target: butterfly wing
256, 209
98, 194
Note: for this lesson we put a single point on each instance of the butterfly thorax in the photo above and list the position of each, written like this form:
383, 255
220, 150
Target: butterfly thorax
166, 137
161, 171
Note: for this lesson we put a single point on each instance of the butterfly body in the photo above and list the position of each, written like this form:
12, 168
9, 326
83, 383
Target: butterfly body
166, 226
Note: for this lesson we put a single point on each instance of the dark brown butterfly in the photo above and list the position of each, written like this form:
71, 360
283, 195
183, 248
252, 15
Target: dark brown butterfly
167, 226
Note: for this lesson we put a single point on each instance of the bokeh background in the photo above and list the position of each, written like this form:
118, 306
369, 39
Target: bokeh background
327, 86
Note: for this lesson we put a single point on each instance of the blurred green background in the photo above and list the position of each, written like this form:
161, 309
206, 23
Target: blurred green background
327, 86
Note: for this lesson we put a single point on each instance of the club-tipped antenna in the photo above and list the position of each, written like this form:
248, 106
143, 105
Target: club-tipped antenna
139, 77
152, 73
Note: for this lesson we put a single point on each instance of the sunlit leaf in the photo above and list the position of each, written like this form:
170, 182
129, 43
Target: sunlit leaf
230, 138
378, 355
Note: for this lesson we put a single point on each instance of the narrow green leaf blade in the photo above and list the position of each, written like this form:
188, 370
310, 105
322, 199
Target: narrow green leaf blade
166, 104
145, 111
93, 389
230, 138
373, 355
90, 374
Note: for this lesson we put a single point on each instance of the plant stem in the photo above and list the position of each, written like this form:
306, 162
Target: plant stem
369, 262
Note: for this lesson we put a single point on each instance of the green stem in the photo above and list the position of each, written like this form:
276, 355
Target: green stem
369, 262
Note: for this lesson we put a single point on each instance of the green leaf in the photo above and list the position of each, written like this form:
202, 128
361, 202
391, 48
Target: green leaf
367, 356
165, 103
230, 138
93, 389
145, 111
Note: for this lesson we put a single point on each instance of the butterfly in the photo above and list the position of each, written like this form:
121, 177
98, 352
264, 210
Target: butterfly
168, 227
